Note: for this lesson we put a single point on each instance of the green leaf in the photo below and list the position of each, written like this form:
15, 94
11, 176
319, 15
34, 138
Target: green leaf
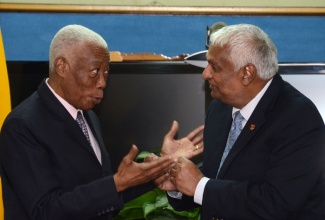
142, 155
160, 203
130, 214
192, 214
154, 205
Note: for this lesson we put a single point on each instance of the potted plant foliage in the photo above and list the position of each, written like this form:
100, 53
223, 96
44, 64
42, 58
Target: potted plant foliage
153, 205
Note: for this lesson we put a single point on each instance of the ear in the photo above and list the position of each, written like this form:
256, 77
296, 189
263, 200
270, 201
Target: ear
248, 75
61, 66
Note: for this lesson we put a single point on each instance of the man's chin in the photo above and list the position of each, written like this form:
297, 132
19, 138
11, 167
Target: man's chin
214, 95
88, 106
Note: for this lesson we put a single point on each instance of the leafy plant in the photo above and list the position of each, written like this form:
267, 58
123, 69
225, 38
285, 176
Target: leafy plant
153, 205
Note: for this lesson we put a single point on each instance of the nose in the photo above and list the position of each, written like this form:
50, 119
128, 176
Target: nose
101, 83
206, 73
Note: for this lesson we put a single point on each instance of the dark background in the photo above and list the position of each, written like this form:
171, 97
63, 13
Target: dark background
143, 98
140, 102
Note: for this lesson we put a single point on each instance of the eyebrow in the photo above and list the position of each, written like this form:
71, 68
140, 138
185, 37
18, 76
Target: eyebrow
96, 62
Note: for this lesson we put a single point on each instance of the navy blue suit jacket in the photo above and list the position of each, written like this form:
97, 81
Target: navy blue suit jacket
276, 168
48, 168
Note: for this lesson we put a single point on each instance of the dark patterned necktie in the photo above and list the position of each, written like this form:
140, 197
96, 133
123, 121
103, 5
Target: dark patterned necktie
82, 124
235, 130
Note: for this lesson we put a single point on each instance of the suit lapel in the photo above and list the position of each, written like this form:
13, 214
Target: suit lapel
76, 133
255, 122
215, 137
61, 114
251, 128
95, 128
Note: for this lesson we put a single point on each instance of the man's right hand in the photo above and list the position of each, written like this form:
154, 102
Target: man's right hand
131, 173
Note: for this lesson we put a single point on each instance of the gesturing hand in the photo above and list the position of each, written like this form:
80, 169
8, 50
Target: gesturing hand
131, 173
189, 146
163, 182
185, 176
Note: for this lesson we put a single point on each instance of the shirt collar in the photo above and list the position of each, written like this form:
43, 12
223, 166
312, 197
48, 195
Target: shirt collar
72, 110
248, 109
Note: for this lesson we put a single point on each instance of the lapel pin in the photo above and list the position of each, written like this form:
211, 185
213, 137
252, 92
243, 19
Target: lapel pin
252, 127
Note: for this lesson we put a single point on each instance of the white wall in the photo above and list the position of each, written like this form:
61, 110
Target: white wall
312, 86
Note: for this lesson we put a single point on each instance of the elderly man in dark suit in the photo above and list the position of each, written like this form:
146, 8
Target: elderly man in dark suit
264, 141
54, 165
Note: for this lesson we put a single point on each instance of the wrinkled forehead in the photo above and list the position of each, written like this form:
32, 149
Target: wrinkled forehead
89, 50
216, 51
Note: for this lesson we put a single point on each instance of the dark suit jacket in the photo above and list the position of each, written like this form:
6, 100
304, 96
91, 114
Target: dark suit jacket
275, 169
48, 168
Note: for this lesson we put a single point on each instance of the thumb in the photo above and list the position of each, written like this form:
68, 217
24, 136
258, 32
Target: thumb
132, 153
181, 160
173, 130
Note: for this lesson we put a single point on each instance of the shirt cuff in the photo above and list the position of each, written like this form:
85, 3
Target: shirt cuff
175, 194
198, 195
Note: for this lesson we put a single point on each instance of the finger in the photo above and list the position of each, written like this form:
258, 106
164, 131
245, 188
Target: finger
173, 180
154, 156
151, 157
148, 159
199, 146
159, 180
198, 139
173, 171
197, 150
166, 163
167, 186
195, 132
161, 162
173, 130
157, 167
132, 154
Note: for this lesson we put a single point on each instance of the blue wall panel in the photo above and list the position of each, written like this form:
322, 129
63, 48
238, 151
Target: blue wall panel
27, 36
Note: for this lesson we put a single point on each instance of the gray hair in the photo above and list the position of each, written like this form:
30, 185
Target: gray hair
68, 37
248, 44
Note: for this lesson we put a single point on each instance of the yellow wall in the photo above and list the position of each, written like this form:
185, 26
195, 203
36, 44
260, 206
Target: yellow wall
4, 85
5, 105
